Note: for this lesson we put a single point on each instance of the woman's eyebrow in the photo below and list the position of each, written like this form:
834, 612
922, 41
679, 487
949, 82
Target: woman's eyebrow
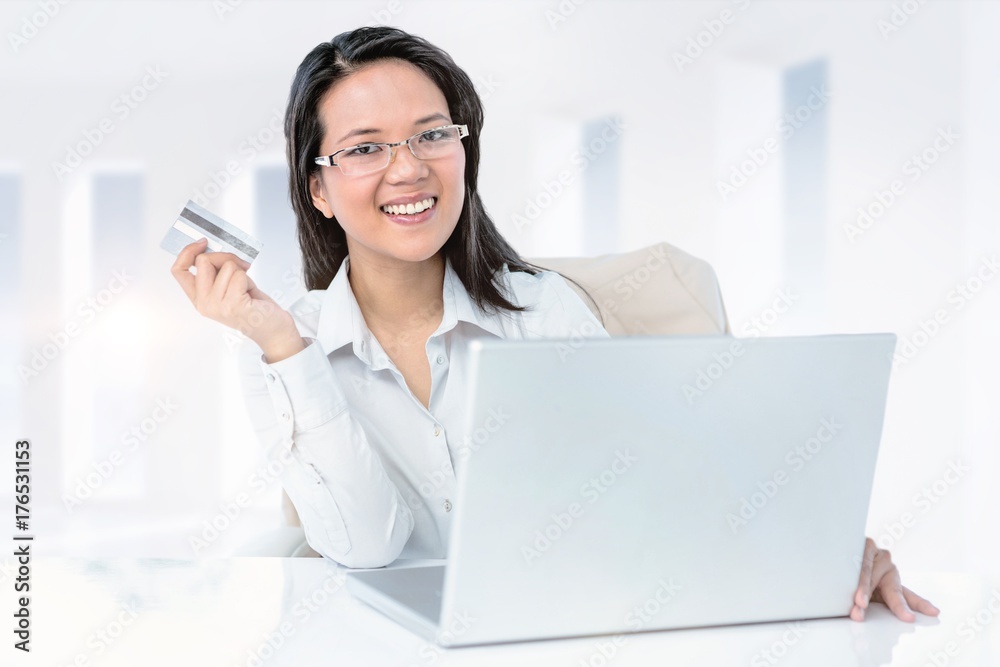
370, 130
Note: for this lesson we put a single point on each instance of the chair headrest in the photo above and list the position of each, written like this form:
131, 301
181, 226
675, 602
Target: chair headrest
659, 289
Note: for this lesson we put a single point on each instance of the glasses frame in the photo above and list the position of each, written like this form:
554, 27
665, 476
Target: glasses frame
328, 160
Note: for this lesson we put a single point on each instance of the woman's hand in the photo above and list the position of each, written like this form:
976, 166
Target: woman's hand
222, 291
880, 582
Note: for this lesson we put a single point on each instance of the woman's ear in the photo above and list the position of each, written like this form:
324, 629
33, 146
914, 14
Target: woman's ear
316, 190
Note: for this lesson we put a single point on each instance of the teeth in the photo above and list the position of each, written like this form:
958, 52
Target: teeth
410, 209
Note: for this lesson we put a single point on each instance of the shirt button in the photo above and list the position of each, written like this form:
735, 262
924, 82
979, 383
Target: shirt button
440, 359
437, 431
270, 377
447, 505
285, 416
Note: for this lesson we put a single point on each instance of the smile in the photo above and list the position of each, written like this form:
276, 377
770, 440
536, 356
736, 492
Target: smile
410, 209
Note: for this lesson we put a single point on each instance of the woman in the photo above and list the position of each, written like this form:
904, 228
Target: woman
359, 394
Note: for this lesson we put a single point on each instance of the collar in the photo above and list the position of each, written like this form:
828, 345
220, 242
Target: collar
341, 321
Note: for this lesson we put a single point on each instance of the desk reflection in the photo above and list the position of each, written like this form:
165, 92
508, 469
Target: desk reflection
266, 612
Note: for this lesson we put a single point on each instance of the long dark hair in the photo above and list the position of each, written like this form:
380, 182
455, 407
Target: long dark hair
476, 249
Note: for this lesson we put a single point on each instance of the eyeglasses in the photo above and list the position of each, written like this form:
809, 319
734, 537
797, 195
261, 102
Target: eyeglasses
371, 157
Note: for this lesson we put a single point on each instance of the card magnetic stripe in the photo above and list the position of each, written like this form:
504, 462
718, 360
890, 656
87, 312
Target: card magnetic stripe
219, 233
182, 228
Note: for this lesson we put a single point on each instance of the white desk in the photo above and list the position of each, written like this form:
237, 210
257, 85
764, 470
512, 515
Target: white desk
221, 613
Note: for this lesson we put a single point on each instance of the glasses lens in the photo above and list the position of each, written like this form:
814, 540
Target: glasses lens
436, 143
363, 159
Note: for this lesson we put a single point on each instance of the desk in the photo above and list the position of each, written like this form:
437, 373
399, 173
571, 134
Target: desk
266, 612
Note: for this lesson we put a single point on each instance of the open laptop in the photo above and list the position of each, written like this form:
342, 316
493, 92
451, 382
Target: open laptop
655, 482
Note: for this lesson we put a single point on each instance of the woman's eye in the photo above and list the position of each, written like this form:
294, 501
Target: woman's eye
432, 135
367, 149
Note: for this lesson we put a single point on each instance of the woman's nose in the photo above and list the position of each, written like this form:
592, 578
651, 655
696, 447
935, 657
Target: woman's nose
403, 163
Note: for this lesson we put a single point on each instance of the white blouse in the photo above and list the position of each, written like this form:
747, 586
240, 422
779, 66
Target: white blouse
370, 470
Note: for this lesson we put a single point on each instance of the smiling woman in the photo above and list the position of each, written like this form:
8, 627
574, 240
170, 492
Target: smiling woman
357, 398
356, 193
357, 394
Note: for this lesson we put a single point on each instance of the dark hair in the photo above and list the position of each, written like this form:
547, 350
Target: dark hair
476, 248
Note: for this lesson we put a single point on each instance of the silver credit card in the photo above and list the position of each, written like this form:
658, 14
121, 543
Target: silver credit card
195, 223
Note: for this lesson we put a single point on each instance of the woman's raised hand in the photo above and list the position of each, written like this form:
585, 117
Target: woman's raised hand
221, 290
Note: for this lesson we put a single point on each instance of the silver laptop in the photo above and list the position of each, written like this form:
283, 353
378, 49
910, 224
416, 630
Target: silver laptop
655, 482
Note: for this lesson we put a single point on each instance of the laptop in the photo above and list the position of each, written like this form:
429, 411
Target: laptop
649, 483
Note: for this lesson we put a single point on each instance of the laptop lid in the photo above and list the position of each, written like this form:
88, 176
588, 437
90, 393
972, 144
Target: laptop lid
653, 482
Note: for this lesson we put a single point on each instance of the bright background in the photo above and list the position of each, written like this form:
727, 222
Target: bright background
864, 87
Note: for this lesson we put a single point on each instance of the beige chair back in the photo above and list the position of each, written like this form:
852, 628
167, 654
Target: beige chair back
655, 290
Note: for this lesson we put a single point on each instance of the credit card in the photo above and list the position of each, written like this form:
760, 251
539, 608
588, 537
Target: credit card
195, 223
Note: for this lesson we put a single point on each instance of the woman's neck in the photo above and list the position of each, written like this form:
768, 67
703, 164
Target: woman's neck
396, 296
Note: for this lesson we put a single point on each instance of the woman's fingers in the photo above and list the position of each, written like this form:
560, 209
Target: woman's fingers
219, 259
236, 287
209, 266
918, 603
194, 253
203, 281
890, 591
220, 289
879, 581
182, 265
223, 279
875, 566
240, 302
864, 592
882, 568
209, 285
857, 613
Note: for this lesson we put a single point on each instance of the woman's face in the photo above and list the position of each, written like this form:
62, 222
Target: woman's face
396, 100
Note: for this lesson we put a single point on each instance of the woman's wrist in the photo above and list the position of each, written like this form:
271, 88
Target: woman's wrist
282, 347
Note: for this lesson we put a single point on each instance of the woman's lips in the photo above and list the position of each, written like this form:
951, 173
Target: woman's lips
414, 219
